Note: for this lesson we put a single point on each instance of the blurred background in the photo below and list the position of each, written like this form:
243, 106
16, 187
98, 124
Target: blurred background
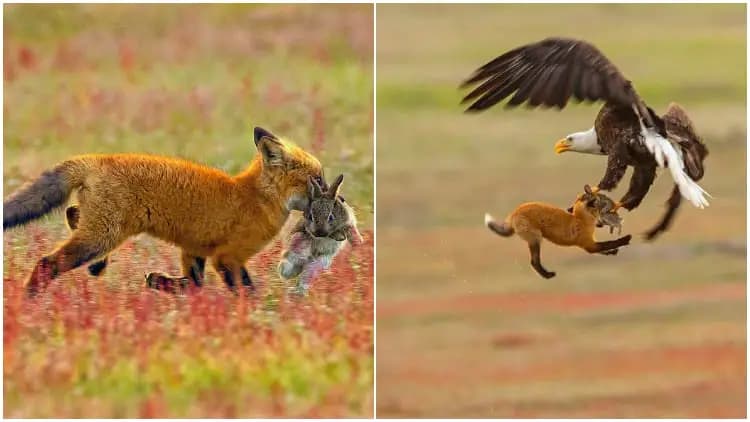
189, 81
465, 327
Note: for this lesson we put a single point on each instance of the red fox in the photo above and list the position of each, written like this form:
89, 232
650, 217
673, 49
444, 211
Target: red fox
204, 211
534, 221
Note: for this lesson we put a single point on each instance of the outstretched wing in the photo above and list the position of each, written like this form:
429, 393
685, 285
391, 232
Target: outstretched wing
549, 73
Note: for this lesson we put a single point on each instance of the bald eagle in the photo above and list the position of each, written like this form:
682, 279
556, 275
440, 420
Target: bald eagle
549, 72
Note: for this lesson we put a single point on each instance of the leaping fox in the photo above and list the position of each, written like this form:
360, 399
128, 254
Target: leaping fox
535, 221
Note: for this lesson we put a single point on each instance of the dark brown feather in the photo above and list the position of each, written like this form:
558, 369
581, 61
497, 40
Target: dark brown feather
541, 88
580, 70
557, 87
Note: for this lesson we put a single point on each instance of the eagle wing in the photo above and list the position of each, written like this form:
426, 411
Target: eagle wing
549, 73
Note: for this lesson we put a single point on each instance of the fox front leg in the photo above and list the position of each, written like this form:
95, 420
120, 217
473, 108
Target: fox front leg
599, 247
193, 267
166, 283
232, 273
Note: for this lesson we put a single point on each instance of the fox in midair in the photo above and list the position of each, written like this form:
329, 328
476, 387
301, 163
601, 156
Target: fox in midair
535, 221
202, 210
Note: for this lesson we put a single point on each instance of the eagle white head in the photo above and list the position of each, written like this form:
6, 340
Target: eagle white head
585, 142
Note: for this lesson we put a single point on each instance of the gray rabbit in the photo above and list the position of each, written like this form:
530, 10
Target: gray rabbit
316, 239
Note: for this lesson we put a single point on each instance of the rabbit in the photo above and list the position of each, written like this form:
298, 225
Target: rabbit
316, 239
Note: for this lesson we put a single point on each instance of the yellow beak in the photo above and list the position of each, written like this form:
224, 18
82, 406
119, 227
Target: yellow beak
562, 145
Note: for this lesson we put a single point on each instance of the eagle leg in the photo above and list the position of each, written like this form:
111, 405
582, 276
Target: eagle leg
640, 183
615, 172
673, 203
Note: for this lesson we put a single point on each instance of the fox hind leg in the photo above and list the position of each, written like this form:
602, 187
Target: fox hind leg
73, 253
97, 268
73, 217
536, 260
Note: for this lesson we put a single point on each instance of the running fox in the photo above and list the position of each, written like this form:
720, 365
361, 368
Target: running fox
534, 220
316, 239
204, 211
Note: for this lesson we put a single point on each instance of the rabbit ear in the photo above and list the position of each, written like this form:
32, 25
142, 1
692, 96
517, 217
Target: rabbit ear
313, 188
333, 190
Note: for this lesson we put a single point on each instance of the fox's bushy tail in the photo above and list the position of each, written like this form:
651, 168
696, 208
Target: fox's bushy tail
49, 191
503, 229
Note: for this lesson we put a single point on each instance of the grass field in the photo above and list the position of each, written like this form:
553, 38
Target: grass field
465, 327
188, 81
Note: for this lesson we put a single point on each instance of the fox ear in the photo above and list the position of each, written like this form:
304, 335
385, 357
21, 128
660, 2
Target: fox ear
313, 189
260, 133
587, 189
272, 151
333, 190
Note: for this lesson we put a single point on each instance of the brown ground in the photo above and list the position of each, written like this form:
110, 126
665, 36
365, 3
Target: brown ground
465, 327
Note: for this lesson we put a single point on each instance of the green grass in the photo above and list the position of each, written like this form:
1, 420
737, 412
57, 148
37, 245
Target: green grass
448, 289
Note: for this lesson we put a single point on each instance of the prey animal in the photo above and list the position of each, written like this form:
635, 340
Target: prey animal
318, 237
607, 212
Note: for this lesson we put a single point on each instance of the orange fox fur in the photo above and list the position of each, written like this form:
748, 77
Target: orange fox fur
535, 221
202, 210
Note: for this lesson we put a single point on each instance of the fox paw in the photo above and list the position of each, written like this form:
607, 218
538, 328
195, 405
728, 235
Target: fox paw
166, 283
40, 277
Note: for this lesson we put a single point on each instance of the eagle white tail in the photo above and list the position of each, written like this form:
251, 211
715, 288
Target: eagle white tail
663, 150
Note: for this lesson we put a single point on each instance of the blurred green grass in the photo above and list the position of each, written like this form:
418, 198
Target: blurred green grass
450, 293
189, 81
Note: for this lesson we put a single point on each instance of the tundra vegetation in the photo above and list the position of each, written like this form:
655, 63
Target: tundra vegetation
189, 81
